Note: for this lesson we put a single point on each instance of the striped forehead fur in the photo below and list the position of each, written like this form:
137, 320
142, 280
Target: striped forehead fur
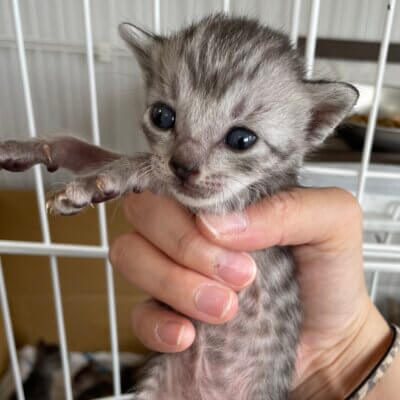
217, 51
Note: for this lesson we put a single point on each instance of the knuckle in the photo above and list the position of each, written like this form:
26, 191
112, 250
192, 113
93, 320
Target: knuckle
351, 208
167, 284
185, 243
137, 324
286, 206
349, 204
139, 313
132, 207
164, 285
285, 203
118, 249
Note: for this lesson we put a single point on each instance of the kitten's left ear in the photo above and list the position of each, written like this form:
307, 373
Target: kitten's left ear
140, 41
332, 101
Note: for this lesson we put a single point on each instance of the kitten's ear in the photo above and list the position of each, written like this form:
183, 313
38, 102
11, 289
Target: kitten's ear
140, 41
332, 101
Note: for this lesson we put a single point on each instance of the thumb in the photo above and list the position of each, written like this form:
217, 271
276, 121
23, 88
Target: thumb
295, 217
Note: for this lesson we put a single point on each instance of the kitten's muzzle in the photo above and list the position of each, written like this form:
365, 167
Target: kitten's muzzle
185, 172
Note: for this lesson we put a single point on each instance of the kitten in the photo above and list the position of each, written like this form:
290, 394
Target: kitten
229, 120
39, 382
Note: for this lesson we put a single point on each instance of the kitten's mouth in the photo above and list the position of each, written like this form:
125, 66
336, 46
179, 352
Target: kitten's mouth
203, 190
192, 190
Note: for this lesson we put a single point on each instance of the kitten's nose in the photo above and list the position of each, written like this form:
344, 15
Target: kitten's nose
183, 171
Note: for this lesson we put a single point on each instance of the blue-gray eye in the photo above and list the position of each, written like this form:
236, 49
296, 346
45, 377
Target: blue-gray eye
162, 116
240, 138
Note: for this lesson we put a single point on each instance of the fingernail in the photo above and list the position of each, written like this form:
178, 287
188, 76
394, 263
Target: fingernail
225, 224
236, 268
213, 300
170, 332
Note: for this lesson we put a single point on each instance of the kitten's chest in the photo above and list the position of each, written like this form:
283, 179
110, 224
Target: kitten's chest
230, 360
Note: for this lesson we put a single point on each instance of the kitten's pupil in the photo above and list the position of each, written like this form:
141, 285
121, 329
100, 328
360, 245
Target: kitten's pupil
162, 116
240, 138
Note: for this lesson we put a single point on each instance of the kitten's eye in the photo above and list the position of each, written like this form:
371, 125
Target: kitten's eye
240, 138
163, 116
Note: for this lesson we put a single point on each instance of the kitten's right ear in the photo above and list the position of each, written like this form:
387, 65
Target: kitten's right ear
140, 41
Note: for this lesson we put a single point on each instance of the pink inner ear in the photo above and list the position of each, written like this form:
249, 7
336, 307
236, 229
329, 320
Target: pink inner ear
332, 102
322, 123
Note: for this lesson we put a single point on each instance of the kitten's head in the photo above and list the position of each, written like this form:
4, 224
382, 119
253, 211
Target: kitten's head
229, 114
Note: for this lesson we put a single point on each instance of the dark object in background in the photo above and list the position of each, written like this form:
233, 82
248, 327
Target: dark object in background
38, 384
386, 138
94, 380
91, 381
393, 310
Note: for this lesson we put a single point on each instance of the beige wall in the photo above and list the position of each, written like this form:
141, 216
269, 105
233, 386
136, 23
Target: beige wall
82, 280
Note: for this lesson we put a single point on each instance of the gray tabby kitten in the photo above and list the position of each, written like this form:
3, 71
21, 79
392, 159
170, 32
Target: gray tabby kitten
229, 120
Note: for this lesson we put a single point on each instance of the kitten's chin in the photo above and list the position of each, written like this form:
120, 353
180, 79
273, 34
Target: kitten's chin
212, 203
215, 203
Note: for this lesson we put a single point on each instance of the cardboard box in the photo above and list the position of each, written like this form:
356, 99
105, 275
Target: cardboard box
83, 284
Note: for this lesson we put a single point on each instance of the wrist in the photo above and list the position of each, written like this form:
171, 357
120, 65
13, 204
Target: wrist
336, 372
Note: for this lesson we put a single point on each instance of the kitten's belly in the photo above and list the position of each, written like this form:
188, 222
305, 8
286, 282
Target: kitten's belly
250, 357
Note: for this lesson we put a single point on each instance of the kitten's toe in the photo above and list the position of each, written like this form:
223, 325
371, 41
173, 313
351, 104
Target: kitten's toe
71, 200
59, 204
82, 192
108, 187
79, 193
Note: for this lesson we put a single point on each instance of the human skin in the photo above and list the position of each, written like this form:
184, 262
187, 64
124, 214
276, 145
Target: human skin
173, 255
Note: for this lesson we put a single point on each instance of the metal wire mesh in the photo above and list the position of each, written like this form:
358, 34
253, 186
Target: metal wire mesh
372, 251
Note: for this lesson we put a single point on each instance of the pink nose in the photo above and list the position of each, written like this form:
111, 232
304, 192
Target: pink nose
183, 171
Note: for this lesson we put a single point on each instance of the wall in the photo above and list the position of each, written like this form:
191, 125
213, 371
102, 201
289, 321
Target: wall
56, 56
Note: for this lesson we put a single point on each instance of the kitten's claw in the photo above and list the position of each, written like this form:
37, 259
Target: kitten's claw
100, 184
107, 187
48, 207
83, 192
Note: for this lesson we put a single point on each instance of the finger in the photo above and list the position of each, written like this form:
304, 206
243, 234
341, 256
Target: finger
184, 290
161, 329
171, 228
298, 216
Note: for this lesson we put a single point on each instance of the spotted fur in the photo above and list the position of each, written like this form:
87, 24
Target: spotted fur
219, 73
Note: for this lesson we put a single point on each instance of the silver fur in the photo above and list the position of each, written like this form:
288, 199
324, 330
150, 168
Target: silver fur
218, 73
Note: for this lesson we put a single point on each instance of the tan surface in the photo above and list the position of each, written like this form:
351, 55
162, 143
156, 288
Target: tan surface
82, 280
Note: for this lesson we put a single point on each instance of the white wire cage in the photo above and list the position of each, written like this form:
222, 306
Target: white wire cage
379, 257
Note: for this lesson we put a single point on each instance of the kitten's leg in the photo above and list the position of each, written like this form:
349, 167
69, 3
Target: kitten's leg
108, 174
62, 152
114, 179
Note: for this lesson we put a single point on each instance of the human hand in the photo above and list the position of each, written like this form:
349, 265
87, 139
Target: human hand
168, 257
323, 226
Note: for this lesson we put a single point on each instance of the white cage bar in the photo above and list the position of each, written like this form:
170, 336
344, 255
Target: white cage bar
101, 208
295, 19
373, 115
312, 38
227, 6
42, 202
370, 250
157, 17
378, 257
5, 310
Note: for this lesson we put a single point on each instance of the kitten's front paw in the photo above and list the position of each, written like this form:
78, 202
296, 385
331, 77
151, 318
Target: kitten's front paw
82, 192
17, 156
